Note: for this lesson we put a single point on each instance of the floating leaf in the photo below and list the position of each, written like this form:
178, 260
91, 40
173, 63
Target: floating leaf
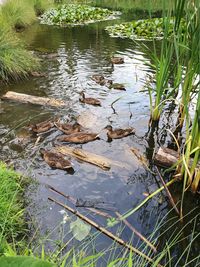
80, 229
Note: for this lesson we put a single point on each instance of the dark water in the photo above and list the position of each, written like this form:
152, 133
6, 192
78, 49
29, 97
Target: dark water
81, 52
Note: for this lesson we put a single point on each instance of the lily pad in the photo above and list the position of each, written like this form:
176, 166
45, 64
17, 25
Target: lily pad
80, 229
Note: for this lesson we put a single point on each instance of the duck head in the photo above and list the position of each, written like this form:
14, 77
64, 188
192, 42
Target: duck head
108, 127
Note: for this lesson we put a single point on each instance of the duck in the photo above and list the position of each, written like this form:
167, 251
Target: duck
78, 138
42, 126
117, 60
89, 100
68, 128
117, 86
56, 160
98, 78
118, 133
101, 80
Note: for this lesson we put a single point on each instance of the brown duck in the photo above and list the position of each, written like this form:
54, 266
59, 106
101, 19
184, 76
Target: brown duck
117, 86
117, 60
41, 127
98, 78
101, 80
78, 138
55, 160
89, 100
118, 133
68, 128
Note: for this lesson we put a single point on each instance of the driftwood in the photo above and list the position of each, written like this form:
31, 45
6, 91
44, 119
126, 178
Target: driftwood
166, 157
37, 100
73, 201
104, 231
136, 232
168, 193
89, 157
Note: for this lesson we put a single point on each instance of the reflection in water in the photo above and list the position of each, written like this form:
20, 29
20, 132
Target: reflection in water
81, 52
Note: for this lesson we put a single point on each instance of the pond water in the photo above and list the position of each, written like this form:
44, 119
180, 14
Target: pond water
78, 53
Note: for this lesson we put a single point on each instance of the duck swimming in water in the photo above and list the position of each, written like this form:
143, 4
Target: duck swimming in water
117, 60
42, 126
118, 133
89, 100
78, 138
68, 128
56, 160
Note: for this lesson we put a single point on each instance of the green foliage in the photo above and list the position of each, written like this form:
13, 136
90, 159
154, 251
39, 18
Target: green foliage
11, 203
75, 14
18, 13
148, 28
22, 261
15, 60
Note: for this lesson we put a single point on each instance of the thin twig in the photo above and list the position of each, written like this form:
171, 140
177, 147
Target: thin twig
136, 232
73, 201
104, 231
168, 192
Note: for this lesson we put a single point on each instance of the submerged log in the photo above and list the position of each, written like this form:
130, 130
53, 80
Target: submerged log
166, 157
89, 157
37, 100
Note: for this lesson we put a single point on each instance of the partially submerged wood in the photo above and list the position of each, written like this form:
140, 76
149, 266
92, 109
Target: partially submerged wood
166, 157
89, 157
104, 231
37, 100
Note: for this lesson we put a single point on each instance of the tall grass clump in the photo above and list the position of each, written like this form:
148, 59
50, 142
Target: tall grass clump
11, 204
15, 61
18, 13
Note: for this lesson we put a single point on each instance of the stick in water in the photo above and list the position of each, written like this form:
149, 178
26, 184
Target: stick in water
168, 192
104, 231
136, 232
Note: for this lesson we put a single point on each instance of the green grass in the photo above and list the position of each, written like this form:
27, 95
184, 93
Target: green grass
11, 204
18, 13
15, 61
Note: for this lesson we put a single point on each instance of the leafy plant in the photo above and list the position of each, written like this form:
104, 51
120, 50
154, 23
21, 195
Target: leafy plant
75, 14
144, 29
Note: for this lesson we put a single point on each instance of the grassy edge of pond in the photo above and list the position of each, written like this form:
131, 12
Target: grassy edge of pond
15, 60
12, 218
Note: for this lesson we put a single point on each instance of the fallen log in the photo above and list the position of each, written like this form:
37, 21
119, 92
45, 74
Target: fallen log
89, 157
36, 100
166, 157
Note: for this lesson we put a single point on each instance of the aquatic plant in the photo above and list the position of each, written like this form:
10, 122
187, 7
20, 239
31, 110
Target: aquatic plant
75, 14
144, 29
